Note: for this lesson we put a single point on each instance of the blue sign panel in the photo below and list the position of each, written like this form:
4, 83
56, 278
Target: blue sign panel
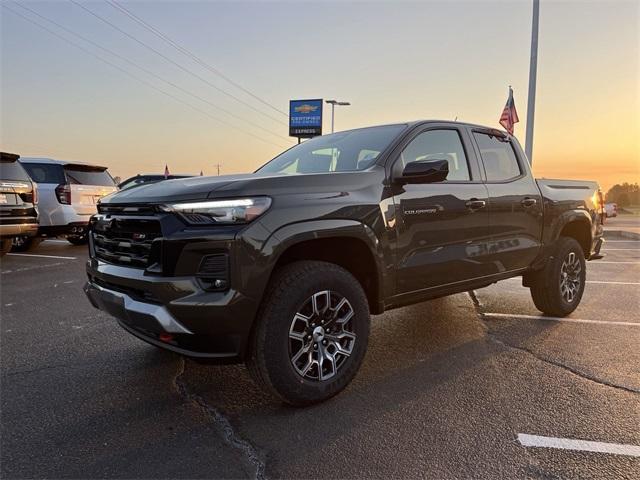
305, 118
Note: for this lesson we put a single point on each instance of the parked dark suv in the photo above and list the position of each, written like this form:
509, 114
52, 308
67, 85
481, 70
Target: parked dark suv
281, 268
18, 200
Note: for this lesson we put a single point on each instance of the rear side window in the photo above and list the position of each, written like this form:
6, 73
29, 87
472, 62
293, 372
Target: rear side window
12, 171
499, 159
45, 172
89, 177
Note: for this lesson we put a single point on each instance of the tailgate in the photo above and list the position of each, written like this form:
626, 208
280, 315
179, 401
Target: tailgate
85, 197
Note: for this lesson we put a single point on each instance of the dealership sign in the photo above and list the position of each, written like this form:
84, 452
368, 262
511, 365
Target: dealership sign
305, 118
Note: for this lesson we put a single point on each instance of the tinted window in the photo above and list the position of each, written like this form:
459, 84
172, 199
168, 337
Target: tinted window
439, 145
338, 152
45, 172
498, 157
12, 171
87, 176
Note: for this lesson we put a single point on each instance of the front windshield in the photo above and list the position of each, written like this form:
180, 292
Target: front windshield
338, 152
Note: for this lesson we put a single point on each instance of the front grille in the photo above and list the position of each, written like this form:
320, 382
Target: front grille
125, 241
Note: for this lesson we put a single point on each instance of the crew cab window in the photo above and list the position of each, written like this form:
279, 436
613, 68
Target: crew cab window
439, 145
499, 159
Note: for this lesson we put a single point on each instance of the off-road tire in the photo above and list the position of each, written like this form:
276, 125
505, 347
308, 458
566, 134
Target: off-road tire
546, 284
5, 246
269, 360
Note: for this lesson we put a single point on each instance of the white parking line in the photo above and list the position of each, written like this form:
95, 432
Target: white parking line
621, 250
622, 241
40, 256
559, 319
600, 262
580, 445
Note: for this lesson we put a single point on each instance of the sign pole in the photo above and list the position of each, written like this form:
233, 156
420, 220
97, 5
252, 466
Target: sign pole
533, 69
333, 112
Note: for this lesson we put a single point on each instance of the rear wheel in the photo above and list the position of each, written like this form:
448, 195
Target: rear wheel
24, 243
5, 246
78, 239
557, 289
312, 333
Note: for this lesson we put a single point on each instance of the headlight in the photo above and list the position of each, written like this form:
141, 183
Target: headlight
240, 210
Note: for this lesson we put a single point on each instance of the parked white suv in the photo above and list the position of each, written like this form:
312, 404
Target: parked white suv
68, 193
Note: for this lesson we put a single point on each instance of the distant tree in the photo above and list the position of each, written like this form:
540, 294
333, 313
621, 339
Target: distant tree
117, 179
624, 194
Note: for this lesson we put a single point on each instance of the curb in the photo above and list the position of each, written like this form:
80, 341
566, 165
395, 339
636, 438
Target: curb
611, 234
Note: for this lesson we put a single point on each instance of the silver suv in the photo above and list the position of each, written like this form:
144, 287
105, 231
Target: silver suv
68, 193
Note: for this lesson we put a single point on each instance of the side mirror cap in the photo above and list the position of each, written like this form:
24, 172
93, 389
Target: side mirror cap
425, 171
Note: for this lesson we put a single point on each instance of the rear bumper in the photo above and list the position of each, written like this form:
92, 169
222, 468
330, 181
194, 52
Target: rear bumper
55, 215
75, 228
17, 230
173, 313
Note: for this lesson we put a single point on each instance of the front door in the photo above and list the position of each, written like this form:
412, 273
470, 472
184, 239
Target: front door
442, 226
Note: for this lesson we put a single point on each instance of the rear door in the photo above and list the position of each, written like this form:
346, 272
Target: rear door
515, 202
88, 185
442, 226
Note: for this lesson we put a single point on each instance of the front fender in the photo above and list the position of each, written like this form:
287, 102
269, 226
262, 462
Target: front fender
289, 235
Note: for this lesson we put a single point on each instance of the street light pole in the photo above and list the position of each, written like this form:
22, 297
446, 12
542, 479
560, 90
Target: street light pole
533, 69
333, 104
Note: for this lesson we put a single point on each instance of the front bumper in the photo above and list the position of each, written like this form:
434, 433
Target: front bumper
173, 313
18, 229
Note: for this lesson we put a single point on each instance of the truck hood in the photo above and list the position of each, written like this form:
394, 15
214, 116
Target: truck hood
227, 186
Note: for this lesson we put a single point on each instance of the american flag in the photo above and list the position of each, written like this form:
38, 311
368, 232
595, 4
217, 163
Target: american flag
509, 115
166, 171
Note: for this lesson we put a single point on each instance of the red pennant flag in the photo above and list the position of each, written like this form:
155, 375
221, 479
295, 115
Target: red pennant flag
509, 115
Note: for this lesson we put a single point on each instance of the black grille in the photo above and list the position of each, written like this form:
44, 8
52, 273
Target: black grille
125, 241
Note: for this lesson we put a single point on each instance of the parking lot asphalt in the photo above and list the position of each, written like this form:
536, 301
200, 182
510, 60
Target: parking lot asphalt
471, 386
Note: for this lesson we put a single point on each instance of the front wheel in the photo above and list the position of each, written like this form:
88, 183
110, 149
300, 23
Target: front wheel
312, 333
557, 289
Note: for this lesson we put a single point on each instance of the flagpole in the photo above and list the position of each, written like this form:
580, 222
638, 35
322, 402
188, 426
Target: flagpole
533, 69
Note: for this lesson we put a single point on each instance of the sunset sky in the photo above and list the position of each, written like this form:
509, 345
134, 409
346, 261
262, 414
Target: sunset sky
394, 61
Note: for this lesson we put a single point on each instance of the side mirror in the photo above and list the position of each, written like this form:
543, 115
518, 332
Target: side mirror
425, 171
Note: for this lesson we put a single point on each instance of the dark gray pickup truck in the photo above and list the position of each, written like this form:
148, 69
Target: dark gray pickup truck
282, 268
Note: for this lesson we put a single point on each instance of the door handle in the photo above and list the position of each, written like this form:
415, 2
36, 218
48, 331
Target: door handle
529, 202
475, 204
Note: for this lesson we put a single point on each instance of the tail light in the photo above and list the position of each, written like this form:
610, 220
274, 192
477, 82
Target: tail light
35, 193
63, 193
